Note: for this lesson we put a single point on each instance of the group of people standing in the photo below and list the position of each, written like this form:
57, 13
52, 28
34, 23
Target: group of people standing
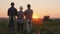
28, 13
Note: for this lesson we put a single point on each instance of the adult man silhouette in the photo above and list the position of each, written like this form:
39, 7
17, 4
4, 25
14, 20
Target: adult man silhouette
12, 12
28, 17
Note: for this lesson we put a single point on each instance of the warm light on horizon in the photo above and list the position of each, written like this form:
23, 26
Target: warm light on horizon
40, 7
35, 16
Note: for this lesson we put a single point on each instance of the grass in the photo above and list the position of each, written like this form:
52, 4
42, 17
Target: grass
48, 27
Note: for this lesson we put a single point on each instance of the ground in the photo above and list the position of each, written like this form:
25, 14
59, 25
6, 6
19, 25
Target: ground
48, 27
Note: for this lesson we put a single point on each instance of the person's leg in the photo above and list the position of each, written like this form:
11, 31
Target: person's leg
24, 26
27, 28
9, 25
18, 26
9, 29
13, 25
14, 19
12, 29
21, 28
30, 26
21, 24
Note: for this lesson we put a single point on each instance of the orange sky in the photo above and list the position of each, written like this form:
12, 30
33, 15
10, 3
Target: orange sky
40, 7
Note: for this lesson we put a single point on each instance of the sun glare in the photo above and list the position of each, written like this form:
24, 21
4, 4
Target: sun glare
34, 16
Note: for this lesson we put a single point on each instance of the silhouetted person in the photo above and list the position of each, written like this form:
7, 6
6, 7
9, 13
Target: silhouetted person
46, 18
12, 12
20, 19
28, 17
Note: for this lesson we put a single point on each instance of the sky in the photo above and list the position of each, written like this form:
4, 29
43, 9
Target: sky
40, 7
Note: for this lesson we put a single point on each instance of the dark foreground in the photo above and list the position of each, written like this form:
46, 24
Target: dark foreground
48, 27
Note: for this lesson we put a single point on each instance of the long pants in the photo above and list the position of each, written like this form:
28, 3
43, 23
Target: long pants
20, 27
20, 23
14, 18
29, 25
11, 24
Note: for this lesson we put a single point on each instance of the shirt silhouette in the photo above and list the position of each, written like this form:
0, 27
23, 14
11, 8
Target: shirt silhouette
20, 14
12, 11
29, 12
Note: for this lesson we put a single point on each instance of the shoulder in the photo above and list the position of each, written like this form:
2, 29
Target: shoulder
31, 9
9, 8
15, 8
25, 10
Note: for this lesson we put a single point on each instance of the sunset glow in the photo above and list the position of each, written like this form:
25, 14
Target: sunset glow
35, 16
40, 7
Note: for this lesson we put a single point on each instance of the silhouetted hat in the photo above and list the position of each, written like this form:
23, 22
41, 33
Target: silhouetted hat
29, 5
12, 3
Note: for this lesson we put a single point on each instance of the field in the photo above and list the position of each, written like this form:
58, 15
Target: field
48, 27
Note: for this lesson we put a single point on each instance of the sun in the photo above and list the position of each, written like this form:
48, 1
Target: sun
35, 16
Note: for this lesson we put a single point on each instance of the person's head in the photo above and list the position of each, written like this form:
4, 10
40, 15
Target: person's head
28, 6
21, 8
12, 4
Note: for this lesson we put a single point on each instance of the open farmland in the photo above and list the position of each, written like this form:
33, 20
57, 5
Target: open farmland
48, 27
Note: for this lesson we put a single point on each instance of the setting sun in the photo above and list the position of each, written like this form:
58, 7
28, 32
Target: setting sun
35, 16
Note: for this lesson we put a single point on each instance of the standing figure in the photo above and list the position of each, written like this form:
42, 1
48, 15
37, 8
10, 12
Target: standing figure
20, 19
28, 17
12, 12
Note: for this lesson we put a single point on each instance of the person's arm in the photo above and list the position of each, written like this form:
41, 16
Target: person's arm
8, 12
25, 13
32, 14
16, 12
